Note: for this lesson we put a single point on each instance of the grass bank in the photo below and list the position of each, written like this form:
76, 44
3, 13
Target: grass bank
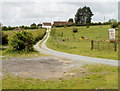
63, 39
37, 34
86, 77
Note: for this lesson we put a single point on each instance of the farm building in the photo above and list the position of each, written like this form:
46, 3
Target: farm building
46, 25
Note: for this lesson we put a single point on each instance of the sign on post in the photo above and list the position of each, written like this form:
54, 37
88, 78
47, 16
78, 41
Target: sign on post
112, 34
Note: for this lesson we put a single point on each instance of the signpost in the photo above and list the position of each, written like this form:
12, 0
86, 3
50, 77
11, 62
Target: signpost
97, 45
112, 38
112, 35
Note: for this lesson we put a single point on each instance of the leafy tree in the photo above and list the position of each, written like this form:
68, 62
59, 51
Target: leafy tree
26, 27
114, 25
99, 23
112, 20
83, 15
39, 25
70, 20
22, 26
9, 28
22, 40
4, 28
33, 24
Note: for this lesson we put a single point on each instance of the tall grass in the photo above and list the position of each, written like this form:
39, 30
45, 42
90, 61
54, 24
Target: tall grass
38, 34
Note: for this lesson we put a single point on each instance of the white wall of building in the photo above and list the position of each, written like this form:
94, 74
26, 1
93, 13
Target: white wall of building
46, 26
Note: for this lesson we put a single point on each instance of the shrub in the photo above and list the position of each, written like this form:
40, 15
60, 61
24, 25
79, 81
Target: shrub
118, 23
58, 25
3, 38
114, 25
75, 30
33, 27
22, 41
4, 28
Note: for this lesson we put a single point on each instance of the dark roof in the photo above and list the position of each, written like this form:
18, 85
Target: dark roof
46, 24
59, 23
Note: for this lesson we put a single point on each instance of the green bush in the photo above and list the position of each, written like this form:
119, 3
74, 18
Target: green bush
58, 25
3, 38
75, 30
114, 25
22, 41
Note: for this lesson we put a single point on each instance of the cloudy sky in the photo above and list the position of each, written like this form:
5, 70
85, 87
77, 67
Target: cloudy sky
25, 12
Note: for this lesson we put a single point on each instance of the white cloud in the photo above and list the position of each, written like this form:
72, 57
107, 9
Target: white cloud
25, 13
59, 0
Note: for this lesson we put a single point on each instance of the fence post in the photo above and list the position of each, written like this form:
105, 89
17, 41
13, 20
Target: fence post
92, 44
115, 46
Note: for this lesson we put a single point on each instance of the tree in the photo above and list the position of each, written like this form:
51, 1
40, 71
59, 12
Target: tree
22, 40
70, 20
22, 26
114, 25
4, 28
9, 28
33, 24
26, 27
39, 25
83, 15
112, 20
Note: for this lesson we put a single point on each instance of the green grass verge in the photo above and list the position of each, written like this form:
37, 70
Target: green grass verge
10, 54
98, 77
72, 43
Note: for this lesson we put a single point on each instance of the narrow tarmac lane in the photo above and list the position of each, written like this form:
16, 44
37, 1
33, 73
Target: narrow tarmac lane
79, 60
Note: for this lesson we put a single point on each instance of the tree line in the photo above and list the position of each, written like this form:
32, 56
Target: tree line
32, 26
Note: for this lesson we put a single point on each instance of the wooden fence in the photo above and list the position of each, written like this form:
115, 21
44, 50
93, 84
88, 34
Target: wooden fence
103, 45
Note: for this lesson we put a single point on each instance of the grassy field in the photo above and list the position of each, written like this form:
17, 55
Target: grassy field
35, 32
63, 39
8, 54
93, 77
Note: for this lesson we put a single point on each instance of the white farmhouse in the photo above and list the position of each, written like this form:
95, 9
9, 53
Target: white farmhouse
46, 25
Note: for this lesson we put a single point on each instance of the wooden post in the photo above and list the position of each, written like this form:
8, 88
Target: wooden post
92, 44
115, 46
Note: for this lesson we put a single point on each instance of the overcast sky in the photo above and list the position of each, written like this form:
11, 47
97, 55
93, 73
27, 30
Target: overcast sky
25, 12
